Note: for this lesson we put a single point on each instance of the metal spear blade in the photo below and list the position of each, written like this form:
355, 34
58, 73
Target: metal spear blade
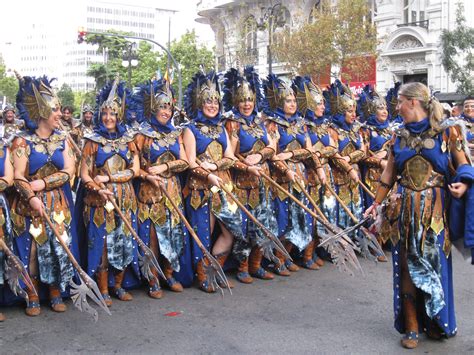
146, 261
214, 272
14, 271
79, 293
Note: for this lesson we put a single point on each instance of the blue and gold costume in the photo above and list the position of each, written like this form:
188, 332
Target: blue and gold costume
200, 200
160, 226
109, 242
309, 96
294, 224
423, 159
349, 142
36, 244
249, 135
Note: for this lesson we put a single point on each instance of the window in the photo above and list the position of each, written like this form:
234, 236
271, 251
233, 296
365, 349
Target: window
250, 33
414, 11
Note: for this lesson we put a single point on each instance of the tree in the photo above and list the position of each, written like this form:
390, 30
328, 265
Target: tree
8, 84
339, 36
66, 95
457, 53
190, 57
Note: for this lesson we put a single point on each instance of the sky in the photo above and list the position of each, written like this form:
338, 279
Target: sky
61, 13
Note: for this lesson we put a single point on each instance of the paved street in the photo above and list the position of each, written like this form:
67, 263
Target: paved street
311, 312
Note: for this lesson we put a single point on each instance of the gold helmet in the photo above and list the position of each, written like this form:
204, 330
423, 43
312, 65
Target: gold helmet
36, 99
114, 97
308, 94
203, 88
341, 98
276, 91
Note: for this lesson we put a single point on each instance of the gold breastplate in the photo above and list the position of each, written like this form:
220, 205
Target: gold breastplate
213, 153
418, 174
113, 165
257, 146
45, 170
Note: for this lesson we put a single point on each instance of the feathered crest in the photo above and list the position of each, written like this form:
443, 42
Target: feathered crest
150, 97
308, 94
239, 87
369, 102
391, 99
35, 99
276, 90
116, 96
202, 88
340, 98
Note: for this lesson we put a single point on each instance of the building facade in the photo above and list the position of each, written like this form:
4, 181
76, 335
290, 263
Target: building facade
409, 32
55, 51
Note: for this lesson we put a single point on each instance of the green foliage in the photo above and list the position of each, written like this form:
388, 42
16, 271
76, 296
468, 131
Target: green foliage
340, 35
66, 95
114, 46
190, 56
8, 84
83, 98
457, 53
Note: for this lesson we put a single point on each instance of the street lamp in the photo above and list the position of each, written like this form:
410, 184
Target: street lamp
272, 17
129, 60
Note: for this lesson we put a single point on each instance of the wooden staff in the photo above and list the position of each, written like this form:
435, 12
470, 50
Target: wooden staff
212, 261
347, 209
92, 290
266, 232
147, 252
366, 189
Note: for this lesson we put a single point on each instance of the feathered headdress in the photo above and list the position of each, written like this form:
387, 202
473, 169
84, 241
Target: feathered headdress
369, 102
391, 99
239, 88
116, 96
340, 98
308, 95
150, 97
202, 88
35, 99
276, 91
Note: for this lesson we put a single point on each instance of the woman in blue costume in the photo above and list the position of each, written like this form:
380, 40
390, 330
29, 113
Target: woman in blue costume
346, 133
110, 158
210, 157
425, 152
243, 96
468, 116
43, 165
162, 157
288, 128
6, 228
311, 104
377, 134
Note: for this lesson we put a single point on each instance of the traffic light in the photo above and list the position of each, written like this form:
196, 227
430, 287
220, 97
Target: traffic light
81, 33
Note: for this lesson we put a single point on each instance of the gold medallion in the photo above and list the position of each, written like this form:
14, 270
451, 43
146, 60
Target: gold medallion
109, 207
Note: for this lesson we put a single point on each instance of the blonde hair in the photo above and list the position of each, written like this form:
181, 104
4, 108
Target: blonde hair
431, 105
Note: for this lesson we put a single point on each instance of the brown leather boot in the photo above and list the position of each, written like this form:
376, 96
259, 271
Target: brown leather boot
173, 284
204, 283
155, 289
410, 339
243, 272
121, 294
281, 269
33, 308
308, 255
56, 300
103, 284
288, 263
255, 265
221, 259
